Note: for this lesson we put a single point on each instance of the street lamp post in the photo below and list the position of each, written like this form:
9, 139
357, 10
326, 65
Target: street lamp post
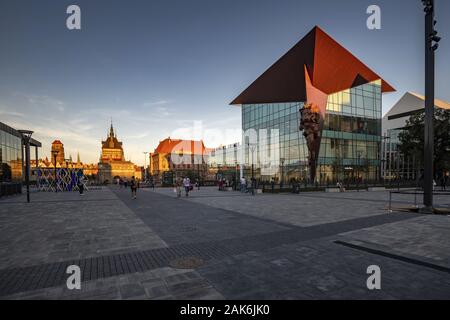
282, 173
145, 165
359, 169
26, 136
55, 154
252, 148
236, 179
431, 45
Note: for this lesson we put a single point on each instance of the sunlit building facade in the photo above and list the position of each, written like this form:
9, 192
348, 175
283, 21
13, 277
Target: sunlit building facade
178, 158
112, 165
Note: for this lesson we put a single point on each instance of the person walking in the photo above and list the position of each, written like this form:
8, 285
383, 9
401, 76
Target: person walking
243, 184
272, 184
443, 183
254, 186
133, 186
187, 185
178, 186
80, 186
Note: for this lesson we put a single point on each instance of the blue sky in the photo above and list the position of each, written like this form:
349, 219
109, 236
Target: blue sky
157, 66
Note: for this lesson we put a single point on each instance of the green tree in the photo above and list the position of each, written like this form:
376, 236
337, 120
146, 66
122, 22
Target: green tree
412, 139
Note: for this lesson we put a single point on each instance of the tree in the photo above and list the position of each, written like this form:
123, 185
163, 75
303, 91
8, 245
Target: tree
412, 139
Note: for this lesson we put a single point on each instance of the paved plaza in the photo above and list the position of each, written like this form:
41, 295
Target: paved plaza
221, 245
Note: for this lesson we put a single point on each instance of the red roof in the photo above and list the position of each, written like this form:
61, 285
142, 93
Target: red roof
176, 145
57, 142
332, 69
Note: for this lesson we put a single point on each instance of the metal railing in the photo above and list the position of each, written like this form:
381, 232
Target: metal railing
415, 192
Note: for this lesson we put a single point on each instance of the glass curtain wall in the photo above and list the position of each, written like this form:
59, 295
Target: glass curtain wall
351, 138
10, 157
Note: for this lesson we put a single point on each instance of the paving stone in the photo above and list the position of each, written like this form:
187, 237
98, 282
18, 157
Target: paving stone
264, 247
131, 290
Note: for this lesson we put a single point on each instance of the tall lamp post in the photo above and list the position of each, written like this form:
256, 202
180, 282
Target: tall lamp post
359, 152
252, 147
282, 173
55, 154
236, 179
431, 45
145, 165
26, 136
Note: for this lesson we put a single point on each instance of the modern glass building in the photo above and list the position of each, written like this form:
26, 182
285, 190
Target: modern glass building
321, 110
11, 154
224, 162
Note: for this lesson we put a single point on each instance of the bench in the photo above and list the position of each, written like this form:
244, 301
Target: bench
375, 189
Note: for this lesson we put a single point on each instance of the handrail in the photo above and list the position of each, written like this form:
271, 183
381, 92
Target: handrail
415, 192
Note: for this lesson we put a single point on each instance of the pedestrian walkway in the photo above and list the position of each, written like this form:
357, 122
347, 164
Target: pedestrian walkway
216, 245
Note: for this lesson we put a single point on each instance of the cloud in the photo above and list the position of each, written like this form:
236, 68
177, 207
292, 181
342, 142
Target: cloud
156, 103
12, 114
138, 136
41, 101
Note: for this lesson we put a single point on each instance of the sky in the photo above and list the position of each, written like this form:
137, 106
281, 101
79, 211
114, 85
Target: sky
159, 68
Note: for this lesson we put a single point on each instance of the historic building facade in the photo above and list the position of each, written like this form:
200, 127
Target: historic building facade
174, 157
58, 148
89, 170
112, 164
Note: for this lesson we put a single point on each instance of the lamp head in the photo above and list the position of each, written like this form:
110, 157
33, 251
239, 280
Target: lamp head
26, 134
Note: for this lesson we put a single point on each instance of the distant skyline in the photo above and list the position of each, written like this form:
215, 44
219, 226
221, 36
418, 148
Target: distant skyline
158, 67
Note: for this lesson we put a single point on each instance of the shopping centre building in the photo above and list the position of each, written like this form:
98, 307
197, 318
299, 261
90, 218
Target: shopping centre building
325, 107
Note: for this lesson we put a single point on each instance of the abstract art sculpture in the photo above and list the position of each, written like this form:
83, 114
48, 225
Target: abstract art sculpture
311, 124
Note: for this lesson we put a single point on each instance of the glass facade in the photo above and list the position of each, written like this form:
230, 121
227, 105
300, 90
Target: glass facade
10, 157
350, 144
223, 162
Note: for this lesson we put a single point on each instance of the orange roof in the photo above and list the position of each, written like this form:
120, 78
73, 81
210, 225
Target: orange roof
57, 142
177, 146
331, 67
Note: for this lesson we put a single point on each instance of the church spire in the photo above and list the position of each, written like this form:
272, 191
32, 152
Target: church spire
111, 130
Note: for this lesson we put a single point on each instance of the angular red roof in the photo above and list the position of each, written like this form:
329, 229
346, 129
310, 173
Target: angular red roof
332, 69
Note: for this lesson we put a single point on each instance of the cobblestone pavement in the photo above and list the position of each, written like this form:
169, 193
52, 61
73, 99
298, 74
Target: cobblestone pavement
305, 209
263, 247
65, 226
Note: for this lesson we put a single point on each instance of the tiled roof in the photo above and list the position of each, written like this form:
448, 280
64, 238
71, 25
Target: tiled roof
177, 146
